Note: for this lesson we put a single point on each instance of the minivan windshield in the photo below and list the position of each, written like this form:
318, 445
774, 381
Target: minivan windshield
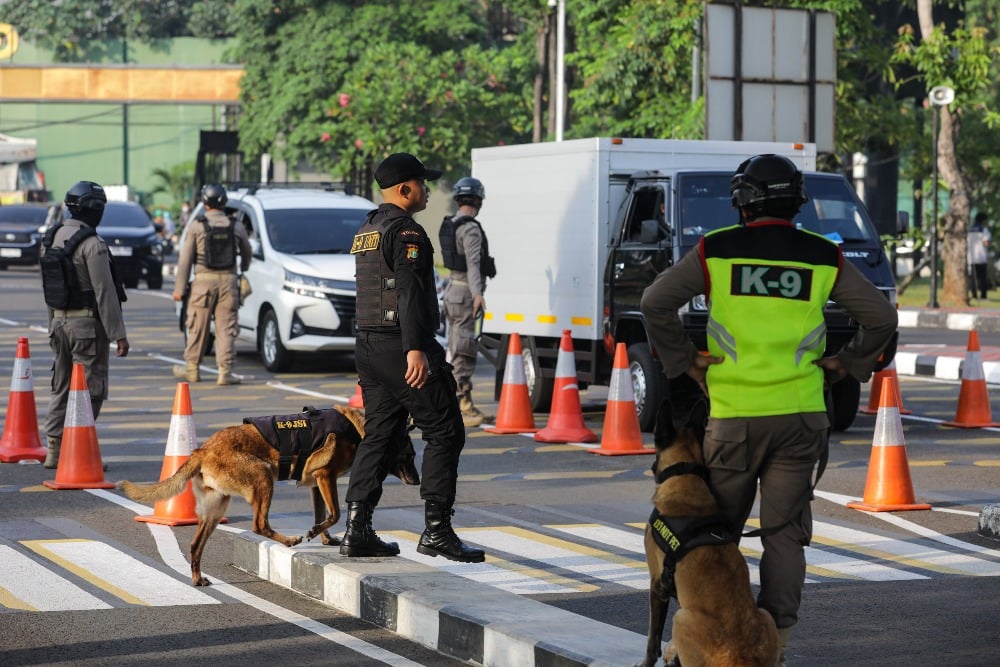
125, 214
312, 231
832, 210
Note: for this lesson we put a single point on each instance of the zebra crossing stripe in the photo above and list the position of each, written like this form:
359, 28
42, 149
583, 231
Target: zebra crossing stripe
503, 574
908, 552
29, 586
118, 573
562, 554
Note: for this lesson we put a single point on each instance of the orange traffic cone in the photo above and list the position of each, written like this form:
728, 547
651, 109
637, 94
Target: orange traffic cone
514, 411
357, 401
80, 465
181, 441
973, 399
20, 432
621, 433
888, 487
566, 416
875, 394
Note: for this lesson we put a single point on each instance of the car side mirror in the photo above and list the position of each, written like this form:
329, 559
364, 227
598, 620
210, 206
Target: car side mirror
649, 232
902, 223
256, 250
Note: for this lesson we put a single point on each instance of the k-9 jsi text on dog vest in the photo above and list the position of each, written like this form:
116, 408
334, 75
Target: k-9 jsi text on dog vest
298, 435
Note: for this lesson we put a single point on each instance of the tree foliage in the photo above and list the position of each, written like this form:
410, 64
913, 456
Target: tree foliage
961, 59
79, 30
341, 85
632, 63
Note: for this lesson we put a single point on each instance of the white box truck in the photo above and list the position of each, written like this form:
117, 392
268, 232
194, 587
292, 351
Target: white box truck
579, 229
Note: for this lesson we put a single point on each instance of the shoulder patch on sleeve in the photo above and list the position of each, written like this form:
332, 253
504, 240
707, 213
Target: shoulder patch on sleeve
412, 252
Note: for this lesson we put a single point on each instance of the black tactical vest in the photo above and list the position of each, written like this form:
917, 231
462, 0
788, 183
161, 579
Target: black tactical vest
60, 284
449, 247
376, 282
220, 245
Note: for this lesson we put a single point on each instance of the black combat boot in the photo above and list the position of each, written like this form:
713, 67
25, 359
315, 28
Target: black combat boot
360, 538
439, 538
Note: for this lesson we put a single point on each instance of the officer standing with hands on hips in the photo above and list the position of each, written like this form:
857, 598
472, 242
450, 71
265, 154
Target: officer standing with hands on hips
401, 366
766, 283
466, 253
211, 248
85, 299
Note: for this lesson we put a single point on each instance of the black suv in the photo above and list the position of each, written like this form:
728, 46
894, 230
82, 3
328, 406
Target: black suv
20, 238
132, 240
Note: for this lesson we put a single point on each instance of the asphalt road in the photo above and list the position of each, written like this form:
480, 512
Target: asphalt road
914, 588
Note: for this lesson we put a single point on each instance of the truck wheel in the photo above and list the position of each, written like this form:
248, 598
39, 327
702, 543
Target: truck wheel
648, 384
275, 356
539, 387
846, 396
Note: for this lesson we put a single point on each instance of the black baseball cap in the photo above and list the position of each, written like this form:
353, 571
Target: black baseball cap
401, 167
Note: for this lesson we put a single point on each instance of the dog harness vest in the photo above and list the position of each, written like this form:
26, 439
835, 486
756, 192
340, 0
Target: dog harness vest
767, 284
298, 435
677, 536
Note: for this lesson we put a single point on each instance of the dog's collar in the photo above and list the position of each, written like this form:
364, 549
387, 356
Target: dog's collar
682, 468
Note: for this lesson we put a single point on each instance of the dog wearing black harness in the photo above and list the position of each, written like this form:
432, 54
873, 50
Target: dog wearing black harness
693, 556
314, 447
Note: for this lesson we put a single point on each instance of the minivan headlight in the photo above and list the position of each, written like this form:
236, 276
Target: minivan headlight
314, 286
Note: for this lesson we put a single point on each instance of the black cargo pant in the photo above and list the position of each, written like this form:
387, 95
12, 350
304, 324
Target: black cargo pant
381, 365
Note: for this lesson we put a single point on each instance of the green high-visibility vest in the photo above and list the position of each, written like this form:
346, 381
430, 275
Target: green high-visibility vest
767, 285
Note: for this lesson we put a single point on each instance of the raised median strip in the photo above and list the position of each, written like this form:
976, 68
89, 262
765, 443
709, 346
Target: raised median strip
448, 613
987, 321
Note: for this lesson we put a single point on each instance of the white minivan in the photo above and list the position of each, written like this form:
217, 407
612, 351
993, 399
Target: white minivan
302, 273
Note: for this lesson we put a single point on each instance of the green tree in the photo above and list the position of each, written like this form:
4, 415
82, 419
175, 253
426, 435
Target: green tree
960, 59
85, 30
631, 68
395, 67
177, 182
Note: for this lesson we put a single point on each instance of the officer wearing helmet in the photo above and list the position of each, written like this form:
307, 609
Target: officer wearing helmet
766, 283
215, 248
85, 307
466, 253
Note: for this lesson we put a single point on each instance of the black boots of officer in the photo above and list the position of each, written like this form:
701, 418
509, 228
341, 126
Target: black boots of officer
439, 538
360, 538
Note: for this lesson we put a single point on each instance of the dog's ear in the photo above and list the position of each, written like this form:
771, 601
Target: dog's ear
665, 432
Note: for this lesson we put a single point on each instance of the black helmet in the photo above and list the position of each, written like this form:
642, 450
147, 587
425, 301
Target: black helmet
469, 187
768, 183
214, 195
85, 202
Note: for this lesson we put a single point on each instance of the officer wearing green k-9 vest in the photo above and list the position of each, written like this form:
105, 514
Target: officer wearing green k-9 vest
401, 366
766, 283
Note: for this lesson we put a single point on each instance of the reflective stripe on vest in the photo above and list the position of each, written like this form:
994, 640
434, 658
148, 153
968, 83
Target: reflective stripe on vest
767, 285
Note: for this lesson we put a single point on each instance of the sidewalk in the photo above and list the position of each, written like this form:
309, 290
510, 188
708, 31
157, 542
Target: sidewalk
945, 361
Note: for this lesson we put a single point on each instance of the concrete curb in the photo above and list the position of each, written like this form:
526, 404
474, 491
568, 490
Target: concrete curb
989, 521
955, 320
942, 368
448, 613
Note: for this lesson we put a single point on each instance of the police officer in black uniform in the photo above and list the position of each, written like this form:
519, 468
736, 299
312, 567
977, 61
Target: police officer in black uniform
402, 367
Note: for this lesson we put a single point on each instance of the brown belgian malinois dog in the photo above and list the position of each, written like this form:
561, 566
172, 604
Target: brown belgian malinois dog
692, 555
239, 461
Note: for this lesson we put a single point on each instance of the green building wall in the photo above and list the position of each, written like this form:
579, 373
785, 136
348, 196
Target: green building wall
116, 144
